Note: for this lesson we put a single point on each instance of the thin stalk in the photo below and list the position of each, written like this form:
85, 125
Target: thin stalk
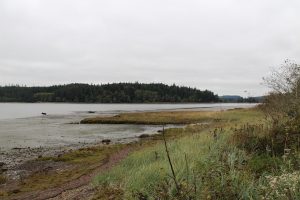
187, 169
169, 159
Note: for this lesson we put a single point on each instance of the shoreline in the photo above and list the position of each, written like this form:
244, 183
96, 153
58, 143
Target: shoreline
12, 159
101, 108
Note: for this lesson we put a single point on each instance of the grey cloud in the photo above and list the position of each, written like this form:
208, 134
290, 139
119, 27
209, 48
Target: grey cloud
226, 46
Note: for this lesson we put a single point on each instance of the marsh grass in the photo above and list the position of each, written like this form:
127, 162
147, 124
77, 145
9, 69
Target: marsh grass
230, 159
214, 166
154, 118
205, 165
86, 155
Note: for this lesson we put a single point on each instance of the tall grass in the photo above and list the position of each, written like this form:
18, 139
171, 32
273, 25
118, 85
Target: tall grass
208, 164
197, 159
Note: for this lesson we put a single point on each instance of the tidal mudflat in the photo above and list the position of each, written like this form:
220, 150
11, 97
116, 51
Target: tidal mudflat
23, 126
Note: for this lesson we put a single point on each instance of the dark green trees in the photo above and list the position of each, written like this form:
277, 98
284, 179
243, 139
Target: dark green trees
107, 93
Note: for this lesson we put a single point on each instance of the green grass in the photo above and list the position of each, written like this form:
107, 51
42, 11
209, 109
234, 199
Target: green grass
150, 164
209, 163
147, 170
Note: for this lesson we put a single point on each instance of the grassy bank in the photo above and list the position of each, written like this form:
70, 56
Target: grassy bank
222, 161
154, 118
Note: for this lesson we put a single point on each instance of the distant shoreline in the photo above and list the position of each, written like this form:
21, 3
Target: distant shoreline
129, 103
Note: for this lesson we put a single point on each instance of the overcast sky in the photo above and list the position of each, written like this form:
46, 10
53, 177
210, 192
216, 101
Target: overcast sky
226, 46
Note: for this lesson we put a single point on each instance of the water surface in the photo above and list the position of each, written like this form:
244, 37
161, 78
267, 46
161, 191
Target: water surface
22, 125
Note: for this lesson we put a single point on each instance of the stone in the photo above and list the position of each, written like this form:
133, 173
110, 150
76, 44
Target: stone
106, 141
144, 136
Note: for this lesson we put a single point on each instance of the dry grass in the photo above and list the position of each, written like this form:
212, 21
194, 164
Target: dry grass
154, 118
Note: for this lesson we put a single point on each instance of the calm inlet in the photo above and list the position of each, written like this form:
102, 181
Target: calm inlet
22, 125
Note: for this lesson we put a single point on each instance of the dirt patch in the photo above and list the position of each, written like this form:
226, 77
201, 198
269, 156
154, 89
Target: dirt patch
36, 166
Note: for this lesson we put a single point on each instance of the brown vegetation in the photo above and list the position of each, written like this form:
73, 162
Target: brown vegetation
154, 118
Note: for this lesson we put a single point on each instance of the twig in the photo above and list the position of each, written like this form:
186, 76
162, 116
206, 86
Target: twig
195, 184
187, 169
169, 159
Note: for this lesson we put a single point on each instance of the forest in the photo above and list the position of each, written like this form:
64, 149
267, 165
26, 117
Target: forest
107, 93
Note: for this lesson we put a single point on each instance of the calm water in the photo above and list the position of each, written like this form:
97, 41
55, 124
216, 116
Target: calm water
22, 125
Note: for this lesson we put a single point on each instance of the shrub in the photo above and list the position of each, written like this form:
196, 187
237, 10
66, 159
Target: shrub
264, 163
251, 138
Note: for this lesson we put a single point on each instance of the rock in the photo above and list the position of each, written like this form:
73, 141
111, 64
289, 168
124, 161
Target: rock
2, 164
2, 169
17, 148
15, 191
159, 131
144, 136
106, 141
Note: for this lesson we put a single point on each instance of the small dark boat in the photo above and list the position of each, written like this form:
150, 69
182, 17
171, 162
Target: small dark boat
43, 113
91, 112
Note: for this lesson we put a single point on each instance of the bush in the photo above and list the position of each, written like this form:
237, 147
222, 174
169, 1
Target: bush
251, 138
274, 140
264, 163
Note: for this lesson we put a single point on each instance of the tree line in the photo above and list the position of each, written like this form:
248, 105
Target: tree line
107, 93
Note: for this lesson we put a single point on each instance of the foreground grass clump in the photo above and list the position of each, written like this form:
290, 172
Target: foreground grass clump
218, 162
154, 118
147, 172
